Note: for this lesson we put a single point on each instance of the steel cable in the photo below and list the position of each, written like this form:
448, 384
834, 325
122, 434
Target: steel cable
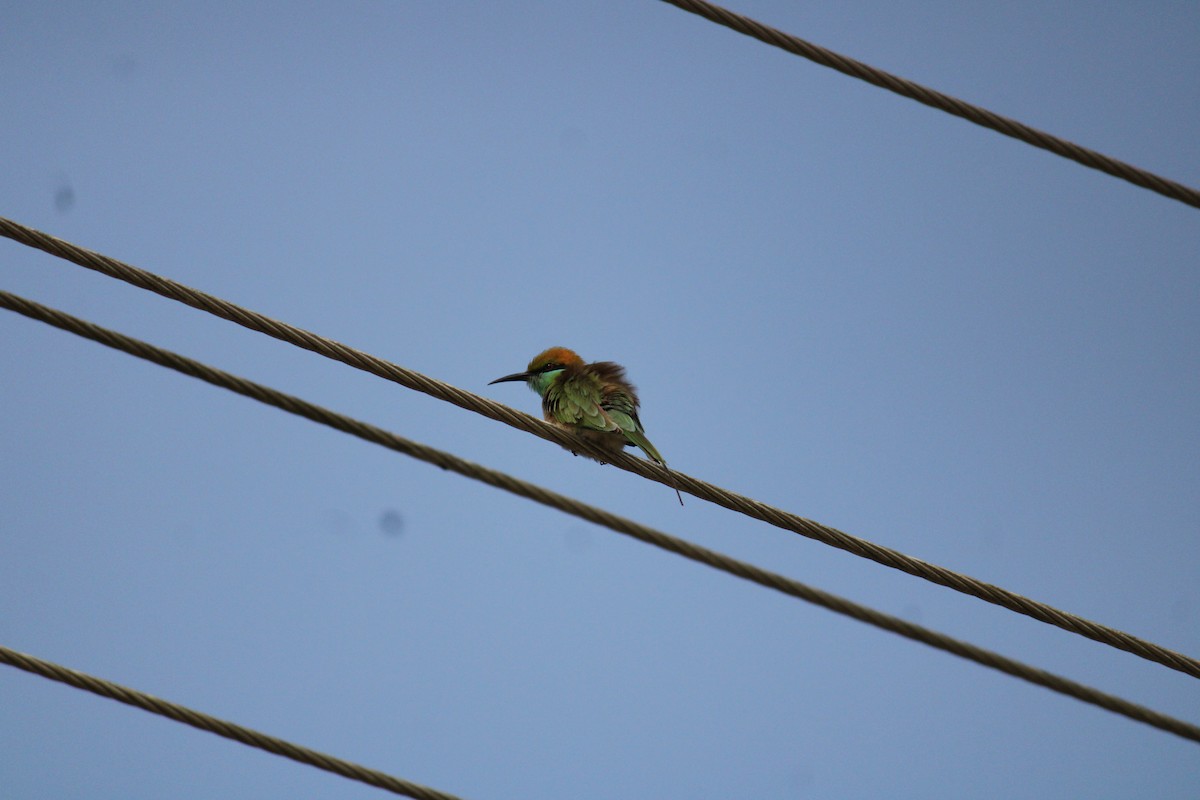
664, 541
229, 730
943, 102
329, 348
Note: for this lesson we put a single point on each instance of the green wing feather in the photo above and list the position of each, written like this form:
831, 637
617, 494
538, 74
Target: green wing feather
576, 400
639, 438
599, 398
581, 402
621, 408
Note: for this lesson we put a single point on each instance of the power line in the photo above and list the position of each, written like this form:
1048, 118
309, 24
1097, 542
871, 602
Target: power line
598, 516
229, 730
943, 102
411, 379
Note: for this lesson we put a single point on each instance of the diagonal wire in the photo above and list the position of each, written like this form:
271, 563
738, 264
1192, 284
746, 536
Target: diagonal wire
599, 516
1043, 612
943, 102
229, 730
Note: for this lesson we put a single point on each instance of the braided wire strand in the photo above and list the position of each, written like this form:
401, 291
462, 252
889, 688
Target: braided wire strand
643, 533
943, 102
1043, 612
229, 730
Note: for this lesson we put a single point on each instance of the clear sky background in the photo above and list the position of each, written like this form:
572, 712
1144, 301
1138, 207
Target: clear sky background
831, 298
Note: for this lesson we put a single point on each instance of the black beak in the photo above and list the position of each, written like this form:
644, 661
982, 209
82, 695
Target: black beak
516, 376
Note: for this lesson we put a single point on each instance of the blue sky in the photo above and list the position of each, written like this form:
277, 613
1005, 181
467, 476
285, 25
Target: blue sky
831, 298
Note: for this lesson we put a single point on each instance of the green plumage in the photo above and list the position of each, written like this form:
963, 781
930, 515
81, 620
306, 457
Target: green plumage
594, 400
597, 397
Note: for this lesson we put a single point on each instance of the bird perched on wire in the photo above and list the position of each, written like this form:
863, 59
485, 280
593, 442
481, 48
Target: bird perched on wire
594, 401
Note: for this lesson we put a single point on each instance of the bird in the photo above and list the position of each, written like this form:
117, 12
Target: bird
595, 401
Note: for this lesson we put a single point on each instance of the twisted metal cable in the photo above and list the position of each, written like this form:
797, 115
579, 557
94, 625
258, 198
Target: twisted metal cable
643, 533
943, 102
833, 537
230, 730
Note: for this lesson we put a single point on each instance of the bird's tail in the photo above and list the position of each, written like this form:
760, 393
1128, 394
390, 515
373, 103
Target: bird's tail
638, 438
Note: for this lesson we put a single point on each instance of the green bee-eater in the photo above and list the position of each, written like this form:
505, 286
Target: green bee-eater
594, 400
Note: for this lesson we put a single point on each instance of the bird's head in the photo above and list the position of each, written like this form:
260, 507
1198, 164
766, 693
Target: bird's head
544, 368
